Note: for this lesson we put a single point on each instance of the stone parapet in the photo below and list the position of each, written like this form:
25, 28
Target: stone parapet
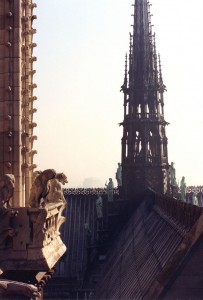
88, 191
30, 238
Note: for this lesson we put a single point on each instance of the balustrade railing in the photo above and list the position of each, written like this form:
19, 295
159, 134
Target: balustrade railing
30, 237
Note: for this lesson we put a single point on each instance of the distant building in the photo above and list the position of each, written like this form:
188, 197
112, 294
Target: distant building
92, 182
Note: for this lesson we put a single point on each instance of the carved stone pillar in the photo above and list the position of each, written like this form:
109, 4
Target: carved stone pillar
16, 94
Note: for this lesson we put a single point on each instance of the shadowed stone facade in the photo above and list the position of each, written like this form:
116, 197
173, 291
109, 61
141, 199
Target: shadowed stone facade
17, 94
30, 242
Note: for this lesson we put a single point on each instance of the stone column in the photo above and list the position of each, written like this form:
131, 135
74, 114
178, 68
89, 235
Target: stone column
28, 87
16, 95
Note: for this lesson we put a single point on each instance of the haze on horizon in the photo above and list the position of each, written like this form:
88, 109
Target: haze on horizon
80, 68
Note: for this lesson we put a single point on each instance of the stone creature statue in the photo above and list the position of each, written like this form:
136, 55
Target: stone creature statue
35, 174
40, 187
55, 193
7, 183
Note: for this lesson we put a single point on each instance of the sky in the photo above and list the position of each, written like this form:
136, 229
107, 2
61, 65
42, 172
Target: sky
80, 68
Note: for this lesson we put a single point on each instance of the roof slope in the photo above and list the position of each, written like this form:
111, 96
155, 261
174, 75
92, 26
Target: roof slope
80, 230
150, 249
80, 211
188, 283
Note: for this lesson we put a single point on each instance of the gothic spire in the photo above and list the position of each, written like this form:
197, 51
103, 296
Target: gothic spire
144, 49
144, 143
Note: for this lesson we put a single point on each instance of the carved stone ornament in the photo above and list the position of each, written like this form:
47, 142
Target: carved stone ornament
7, 183
18, 288
55, 193
30, 236
40, 187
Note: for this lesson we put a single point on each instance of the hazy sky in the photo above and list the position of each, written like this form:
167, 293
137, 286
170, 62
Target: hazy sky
80, 68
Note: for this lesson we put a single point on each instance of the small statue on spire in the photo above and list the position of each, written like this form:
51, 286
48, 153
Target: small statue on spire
172, 175
109, 190
183, 189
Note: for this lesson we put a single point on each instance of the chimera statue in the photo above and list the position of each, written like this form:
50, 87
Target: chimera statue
40, 187
55, 193
7, 183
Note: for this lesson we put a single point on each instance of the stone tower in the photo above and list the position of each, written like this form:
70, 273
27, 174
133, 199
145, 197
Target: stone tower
16, 94
144, 142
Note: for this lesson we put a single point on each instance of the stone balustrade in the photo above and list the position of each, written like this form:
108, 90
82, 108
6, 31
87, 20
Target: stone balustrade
30, 237
87, 191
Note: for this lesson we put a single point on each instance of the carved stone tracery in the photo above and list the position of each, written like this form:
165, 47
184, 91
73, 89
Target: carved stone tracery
30, 236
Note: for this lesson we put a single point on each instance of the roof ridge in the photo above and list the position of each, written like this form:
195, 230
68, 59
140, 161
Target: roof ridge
178, 258
185, 213
179, 227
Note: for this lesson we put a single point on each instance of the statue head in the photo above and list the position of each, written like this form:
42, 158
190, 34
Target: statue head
62, 178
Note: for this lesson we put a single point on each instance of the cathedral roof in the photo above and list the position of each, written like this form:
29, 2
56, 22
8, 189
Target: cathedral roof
158, 247
150, 249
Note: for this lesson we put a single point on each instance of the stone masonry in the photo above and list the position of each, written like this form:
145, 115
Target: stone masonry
16, 95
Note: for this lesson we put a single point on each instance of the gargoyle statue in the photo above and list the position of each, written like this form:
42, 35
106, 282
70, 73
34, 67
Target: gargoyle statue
40, 187
56, 194
7, 183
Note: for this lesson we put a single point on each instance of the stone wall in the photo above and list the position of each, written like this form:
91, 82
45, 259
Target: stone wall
16, 94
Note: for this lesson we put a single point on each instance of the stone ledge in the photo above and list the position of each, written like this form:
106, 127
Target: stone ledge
30, 237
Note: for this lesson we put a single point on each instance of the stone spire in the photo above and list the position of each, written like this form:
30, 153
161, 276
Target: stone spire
17, 94
144, 142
